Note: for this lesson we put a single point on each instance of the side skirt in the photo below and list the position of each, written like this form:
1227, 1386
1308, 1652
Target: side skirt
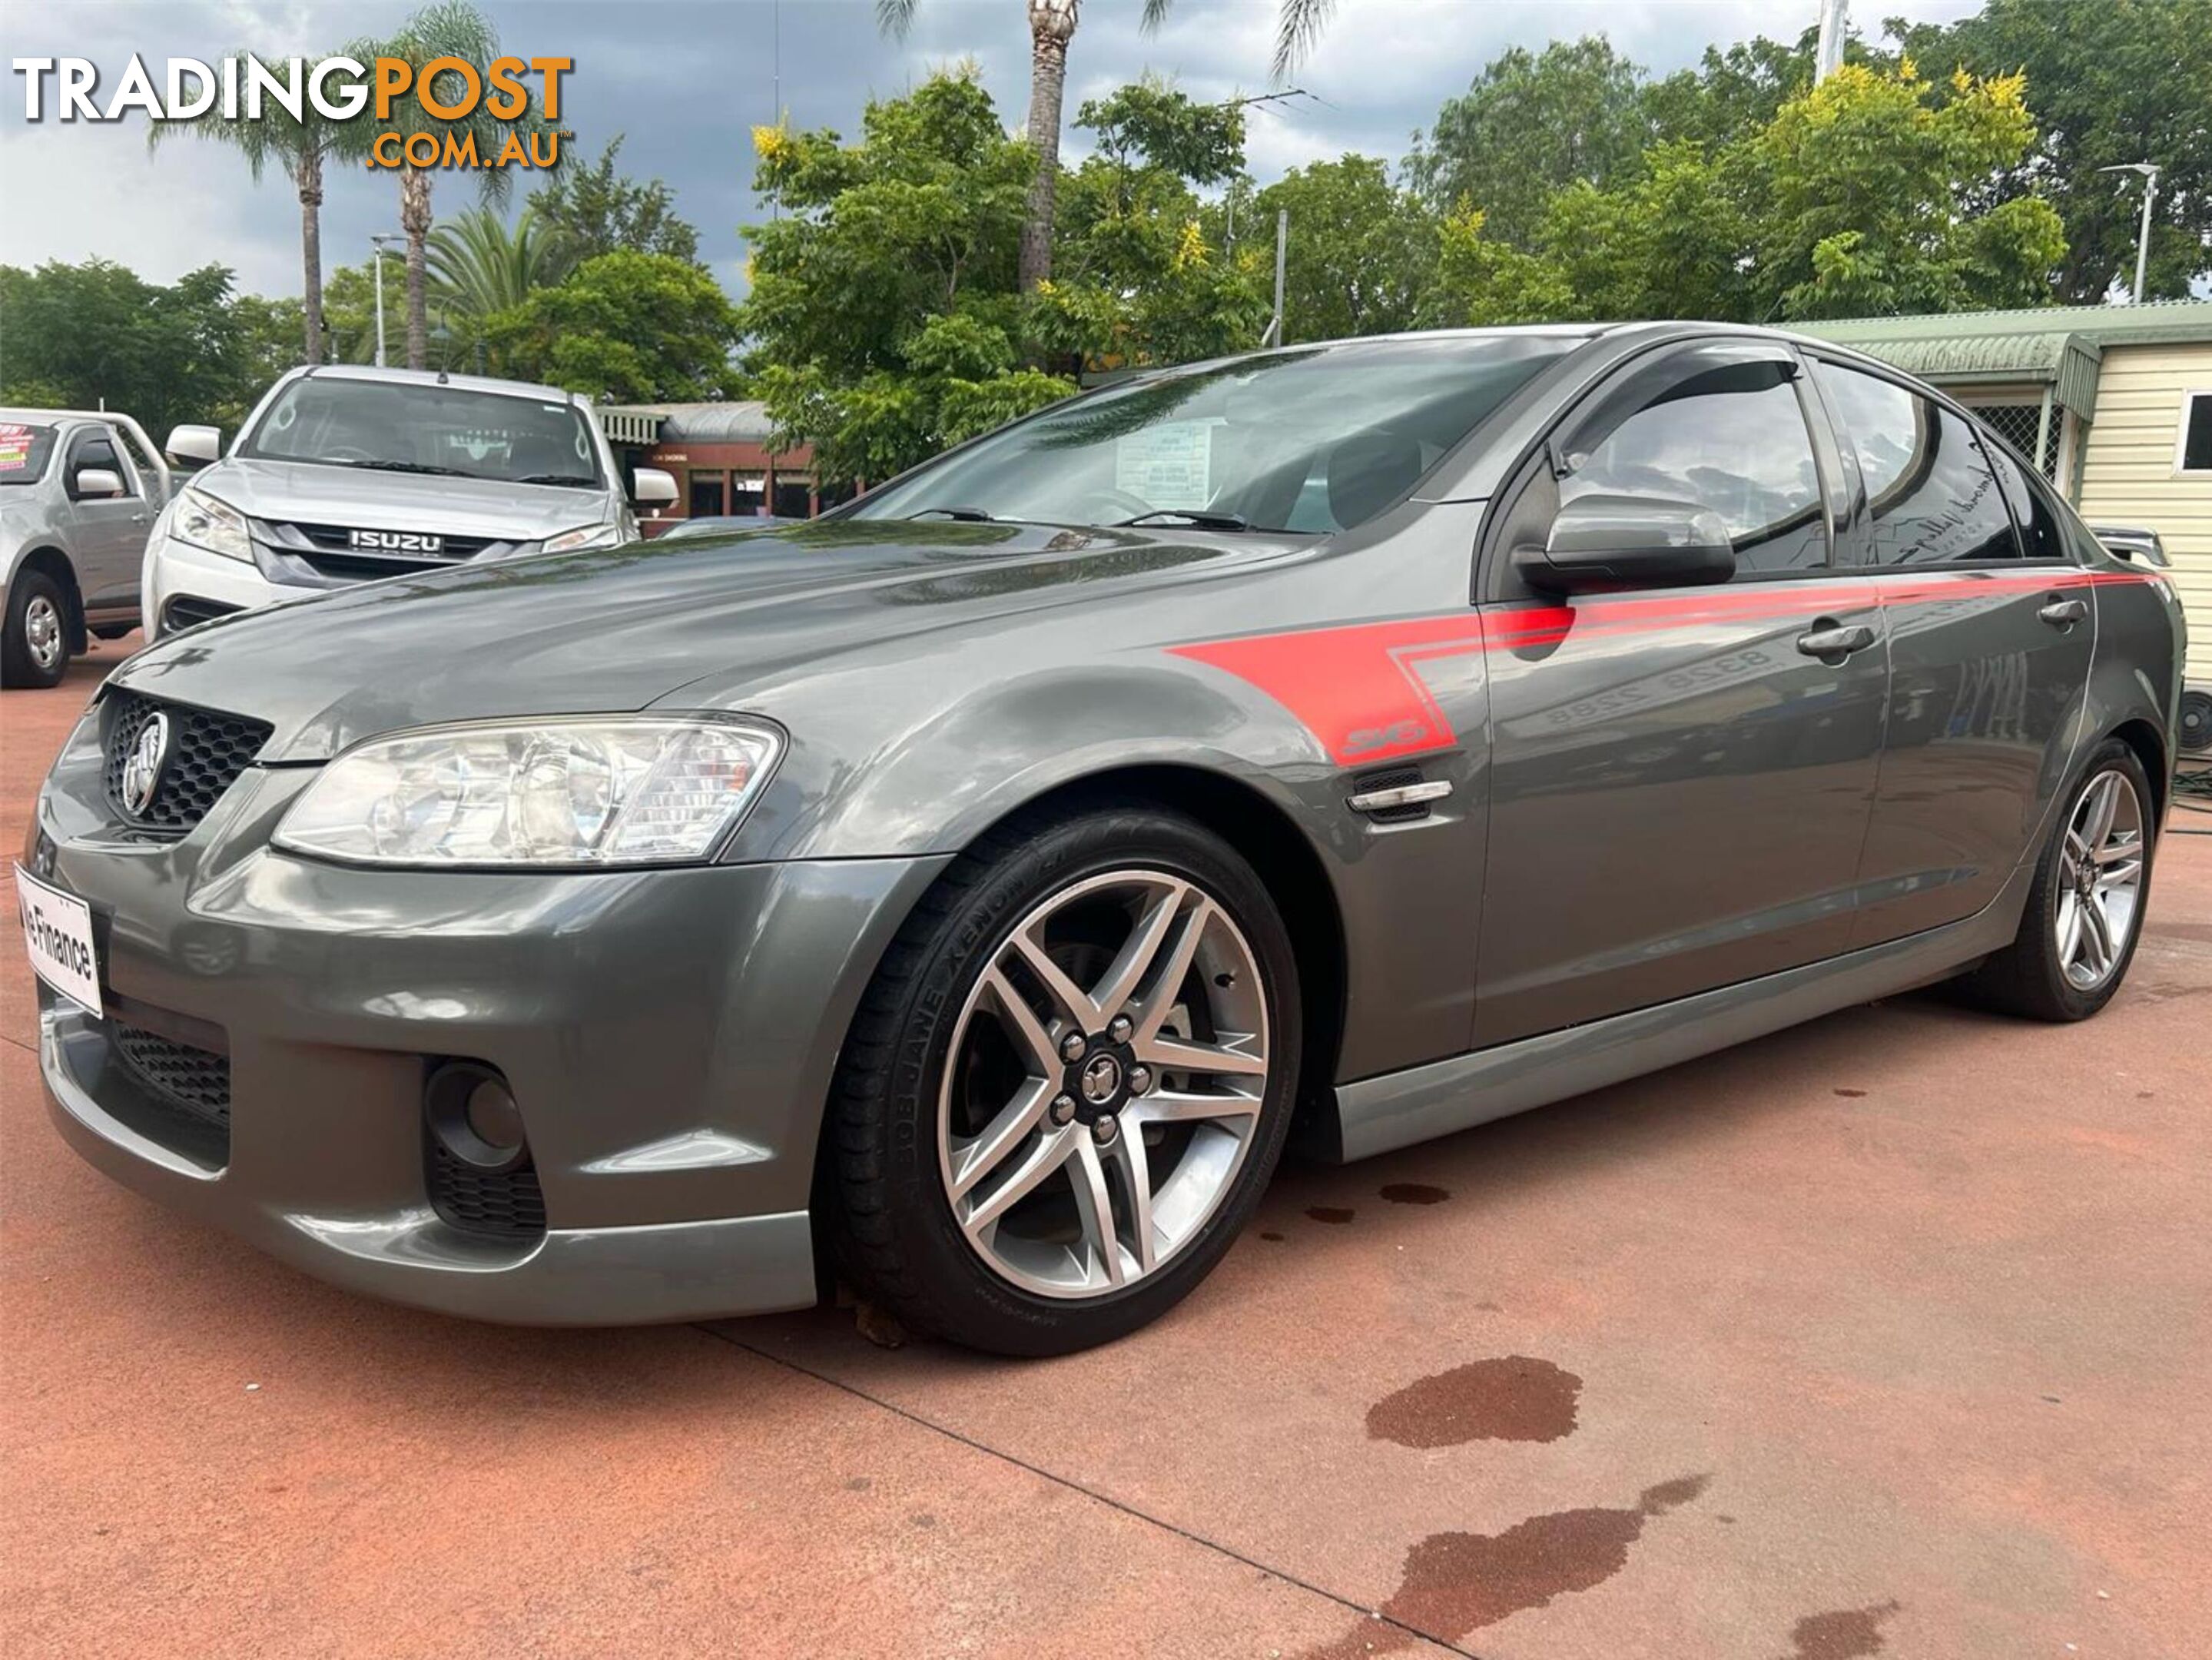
1381, 1114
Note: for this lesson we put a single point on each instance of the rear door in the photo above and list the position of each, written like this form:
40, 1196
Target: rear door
1679, 784
1991, 631
107, 536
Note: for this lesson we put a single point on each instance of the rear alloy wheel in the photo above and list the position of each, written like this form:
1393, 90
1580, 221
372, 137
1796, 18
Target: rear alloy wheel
2085, 912
1097, 1033
36, 650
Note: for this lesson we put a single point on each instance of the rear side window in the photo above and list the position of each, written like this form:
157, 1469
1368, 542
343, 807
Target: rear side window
2041, 535
1931, 494
1729, 437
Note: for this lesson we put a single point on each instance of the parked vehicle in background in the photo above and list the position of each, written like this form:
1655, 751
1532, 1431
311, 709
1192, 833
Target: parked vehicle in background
980, 882
724, 525
75, 503
342, 475
2136, 543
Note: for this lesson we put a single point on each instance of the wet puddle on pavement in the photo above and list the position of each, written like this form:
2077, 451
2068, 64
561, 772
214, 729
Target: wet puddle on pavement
1512, 1398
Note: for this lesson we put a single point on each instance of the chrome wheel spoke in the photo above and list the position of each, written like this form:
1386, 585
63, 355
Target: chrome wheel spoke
2070, 927
2099, 936
1035, 1043
1073, 1003
2103, 802
1047, 1156
1178, 1054
1094, 1203
1185, 1106
975, 1159
1128, 1153
1120, 982
2121, 875
1160, 999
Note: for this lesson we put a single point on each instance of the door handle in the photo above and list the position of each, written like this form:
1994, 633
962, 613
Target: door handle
2064, 613
1830, 639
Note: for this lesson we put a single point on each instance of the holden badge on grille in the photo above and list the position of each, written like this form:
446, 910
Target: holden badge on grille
141, 769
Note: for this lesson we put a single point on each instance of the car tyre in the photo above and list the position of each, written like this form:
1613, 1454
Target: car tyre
2065, 962
930, 1029
35, 652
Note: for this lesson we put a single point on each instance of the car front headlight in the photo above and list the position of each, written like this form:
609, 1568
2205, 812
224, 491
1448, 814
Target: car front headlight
207, 523
583, 536
557, 793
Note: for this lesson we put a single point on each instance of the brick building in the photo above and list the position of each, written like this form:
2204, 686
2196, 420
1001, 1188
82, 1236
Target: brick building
719, 457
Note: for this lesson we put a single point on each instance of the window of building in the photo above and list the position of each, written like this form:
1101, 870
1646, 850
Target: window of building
748, 490
832, 496
706, 494
1729, 437
2196, 450
794, 494
1930, 491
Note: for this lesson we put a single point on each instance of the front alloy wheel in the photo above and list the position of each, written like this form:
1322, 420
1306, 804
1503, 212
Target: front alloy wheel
1067, 1085
1103, 1091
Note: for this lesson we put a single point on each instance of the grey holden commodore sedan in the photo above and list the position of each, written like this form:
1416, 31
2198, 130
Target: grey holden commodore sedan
976, 890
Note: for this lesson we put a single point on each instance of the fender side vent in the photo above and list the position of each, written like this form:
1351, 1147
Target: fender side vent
1397, 796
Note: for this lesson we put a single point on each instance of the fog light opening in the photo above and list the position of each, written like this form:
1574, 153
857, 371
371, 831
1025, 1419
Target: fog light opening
472, 1111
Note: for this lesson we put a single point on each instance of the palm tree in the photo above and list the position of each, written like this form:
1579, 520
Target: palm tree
1052, 25
301, 148
451, 28
478, 267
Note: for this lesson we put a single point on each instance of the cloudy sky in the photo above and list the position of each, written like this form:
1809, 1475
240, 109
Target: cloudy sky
686, 80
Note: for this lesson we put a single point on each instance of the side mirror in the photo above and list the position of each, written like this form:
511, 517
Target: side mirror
1628, 542
97, 484
201, 444
651, 487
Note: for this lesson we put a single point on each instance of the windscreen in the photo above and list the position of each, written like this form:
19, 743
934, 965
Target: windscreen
1313, 441
410, 427
25, 449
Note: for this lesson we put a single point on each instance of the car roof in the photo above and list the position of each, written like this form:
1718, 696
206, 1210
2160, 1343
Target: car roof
434, 378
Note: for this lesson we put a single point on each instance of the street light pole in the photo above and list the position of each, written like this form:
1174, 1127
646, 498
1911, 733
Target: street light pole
378, 268
2149, 171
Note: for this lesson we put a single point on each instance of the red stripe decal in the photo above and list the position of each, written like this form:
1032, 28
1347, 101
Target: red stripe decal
1357, 687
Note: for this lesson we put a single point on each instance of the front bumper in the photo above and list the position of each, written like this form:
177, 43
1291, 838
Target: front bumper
178, 570
670, 1036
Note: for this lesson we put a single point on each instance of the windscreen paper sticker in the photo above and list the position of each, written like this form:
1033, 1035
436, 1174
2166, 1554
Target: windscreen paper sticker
14, 446
1169, 465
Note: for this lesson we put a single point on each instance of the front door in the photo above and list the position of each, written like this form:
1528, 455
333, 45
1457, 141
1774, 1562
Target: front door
1991, 626
1680, 778
107, 536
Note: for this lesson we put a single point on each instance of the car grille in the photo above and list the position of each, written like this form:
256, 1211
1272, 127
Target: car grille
508, 1206
184, 1100
328, 550
207, 753
194, 1079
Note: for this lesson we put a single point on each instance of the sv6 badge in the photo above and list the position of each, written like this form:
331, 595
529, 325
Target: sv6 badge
395, 541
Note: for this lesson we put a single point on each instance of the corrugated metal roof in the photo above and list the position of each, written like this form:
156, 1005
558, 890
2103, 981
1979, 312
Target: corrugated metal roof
2058, 346
741, 421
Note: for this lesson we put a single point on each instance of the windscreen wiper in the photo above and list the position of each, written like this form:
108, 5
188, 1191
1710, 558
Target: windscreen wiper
965, 515
575, 480
408, 466
1196, 516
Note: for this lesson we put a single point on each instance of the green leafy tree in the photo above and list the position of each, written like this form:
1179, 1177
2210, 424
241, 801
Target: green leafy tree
1052, 27
164, 353
2109, 81
349, 307
601, 211
638, 327
1481, 281
1362, 252
1139, 278
1732, 94
302, 149
1530, 125
883, 312
1866, 190
1672, 239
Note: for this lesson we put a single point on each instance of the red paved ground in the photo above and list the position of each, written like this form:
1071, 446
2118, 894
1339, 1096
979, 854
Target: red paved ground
1890, 1335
